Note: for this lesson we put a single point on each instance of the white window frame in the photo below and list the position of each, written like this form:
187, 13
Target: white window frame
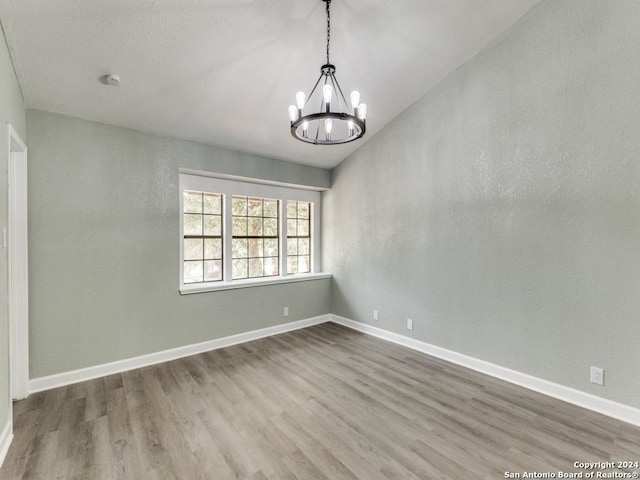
250, 188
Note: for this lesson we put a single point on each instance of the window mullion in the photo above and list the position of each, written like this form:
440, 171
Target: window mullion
181, 203
310, 238
283, 238
227, 238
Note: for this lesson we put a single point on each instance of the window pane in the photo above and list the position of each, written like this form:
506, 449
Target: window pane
304, 264
270, 227
239, 206
271, 208
240, 268
271, 247
255, 267
240, 226
212, 203
291, 228
239, 248
255, 247
212, 270
292, 210
192, 272
292, 246
292, 264
255, 207
192, 224
212, 225
303, 210
303, 228
192, 249
303, 246
271, 266
213, 248
192, 202
255, 227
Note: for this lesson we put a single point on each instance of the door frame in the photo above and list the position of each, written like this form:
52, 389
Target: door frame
18, 261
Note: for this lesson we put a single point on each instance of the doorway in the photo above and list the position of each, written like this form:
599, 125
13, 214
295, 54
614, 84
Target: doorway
17, 242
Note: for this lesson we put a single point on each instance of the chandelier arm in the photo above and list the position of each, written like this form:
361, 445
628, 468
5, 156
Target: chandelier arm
317, 131
346, 104
313, 90
332, 79
322, 104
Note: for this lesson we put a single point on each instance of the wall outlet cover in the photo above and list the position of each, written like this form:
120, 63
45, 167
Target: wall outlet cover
597, 375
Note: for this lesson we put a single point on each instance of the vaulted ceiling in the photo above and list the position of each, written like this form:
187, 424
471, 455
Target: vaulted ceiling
223, 72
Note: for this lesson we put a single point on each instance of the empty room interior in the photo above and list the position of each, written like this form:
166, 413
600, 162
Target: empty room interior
316, 239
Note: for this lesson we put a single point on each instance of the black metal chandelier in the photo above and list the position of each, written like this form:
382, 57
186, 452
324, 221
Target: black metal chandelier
337, 120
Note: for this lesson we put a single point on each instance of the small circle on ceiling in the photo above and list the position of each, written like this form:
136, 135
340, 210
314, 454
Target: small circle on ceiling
110, 79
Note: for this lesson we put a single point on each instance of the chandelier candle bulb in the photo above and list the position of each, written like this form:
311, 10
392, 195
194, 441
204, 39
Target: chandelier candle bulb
305, 129
362, 111
328, 126
355, 99
327, 93
350, 125
300, 100
293, 113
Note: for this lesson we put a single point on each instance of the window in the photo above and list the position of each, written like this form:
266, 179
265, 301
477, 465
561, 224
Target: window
236, 233
255, 237
202, 224
298, 237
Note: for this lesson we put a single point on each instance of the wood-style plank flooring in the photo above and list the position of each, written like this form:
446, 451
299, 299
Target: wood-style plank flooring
320, 403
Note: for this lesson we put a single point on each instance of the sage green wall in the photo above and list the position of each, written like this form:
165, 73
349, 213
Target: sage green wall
103, 247
11, 111
501, 212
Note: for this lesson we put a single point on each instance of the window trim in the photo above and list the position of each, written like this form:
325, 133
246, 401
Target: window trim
191, 288
251, 188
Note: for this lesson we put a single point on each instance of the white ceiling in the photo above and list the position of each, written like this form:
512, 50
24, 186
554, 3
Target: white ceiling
223, 72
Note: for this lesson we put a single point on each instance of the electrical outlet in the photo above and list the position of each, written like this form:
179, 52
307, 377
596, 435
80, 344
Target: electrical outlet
375, 314
409, 324
286, 311
597, 375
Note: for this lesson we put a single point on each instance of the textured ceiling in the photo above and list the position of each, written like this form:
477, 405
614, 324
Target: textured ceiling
223, 72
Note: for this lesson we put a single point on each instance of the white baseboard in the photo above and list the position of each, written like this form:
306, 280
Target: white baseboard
89, 373
597, 404
5, 441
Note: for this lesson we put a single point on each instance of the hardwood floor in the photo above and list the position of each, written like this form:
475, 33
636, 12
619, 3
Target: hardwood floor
321, 403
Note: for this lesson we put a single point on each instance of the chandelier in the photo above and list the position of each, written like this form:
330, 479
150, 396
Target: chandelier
337, 121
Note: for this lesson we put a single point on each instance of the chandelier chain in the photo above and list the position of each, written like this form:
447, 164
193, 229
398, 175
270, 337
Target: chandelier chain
328, 29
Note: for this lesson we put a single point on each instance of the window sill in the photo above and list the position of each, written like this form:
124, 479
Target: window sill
254, 282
